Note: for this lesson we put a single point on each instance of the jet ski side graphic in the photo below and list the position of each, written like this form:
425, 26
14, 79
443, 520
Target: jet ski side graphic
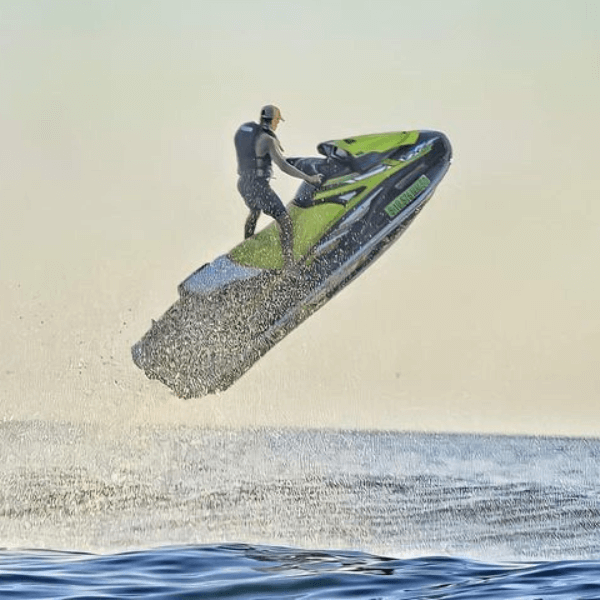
233, 310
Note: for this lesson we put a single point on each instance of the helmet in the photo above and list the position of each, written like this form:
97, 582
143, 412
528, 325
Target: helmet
269, 112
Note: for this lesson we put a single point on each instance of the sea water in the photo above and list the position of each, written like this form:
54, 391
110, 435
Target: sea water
199, 513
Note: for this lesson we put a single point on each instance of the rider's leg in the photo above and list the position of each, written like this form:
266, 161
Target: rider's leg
251, 221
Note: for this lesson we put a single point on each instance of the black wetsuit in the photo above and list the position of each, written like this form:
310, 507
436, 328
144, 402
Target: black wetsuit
253, 184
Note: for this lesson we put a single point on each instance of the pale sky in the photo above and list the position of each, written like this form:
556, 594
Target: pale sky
117, 180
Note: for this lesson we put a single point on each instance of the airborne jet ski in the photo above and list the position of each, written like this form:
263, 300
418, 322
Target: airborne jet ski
233, 310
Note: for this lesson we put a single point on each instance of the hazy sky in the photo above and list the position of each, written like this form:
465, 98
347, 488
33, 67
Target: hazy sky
117, 179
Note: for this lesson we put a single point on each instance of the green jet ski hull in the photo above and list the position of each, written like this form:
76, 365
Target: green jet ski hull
233, 310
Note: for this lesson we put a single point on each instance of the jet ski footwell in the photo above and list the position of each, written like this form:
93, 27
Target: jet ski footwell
233, 310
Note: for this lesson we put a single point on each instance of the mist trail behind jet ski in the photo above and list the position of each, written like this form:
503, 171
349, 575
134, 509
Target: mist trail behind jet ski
233, 310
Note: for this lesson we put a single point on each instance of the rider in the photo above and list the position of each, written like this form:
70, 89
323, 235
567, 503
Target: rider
257, 147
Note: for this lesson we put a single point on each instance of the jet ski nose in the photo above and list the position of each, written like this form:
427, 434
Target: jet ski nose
445, 143
439, 142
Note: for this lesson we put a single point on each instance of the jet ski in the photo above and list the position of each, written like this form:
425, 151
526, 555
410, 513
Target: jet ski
231, 311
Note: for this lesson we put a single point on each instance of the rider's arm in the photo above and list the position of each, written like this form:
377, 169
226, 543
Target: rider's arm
274, 149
